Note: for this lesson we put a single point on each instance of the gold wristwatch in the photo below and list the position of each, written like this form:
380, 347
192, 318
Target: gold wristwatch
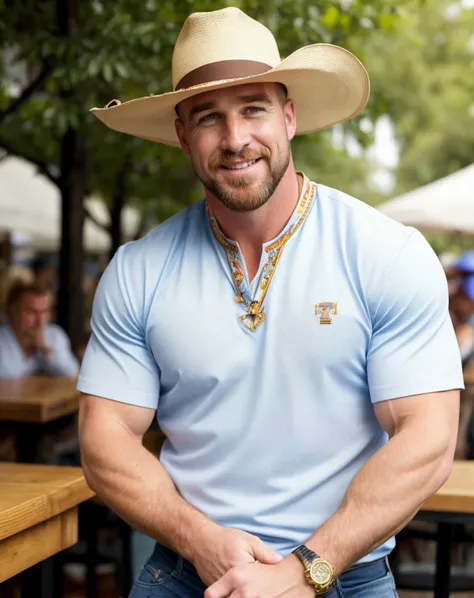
318, 572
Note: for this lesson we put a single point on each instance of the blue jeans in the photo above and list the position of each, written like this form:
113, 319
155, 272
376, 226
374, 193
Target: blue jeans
167, 575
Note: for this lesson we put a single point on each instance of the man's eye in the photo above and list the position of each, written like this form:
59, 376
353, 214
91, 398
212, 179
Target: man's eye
209, 117
254, 109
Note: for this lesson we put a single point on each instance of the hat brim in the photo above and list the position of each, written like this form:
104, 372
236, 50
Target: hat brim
328, 84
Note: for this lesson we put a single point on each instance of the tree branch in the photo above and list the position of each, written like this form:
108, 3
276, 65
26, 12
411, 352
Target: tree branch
93, 219
42, 166
27, 92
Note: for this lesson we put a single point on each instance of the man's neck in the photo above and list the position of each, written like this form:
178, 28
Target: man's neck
252, 229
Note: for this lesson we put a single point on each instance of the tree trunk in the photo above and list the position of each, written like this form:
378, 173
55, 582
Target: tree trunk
71, 263
73, 185
118, 203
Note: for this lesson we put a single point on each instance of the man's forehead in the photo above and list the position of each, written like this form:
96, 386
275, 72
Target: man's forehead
36, 301
234, 92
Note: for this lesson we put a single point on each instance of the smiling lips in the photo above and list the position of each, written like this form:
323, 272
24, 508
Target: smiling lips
240, 165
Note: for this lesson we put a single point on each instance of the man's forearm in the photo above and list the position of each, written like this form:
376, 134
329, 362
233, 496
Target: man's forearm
57, 364
382, 498
135, 485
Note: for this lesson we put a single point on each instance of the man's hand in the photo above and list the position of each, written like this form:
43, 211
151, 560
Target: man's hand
38, 341
219, 549
284, 580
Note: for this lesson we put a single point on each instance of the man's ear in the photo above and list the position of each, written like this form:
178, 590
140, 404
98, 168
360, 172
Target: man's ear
179, 126
290, 118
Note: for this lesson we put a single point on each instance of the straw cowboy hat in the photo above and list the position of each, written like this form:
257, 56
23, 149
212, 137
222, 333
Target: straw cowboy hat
226, 47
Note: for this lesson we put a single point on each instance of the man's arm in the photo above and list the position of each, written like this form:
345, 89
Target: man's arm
382, 498
135, 485
57, 354
397, 480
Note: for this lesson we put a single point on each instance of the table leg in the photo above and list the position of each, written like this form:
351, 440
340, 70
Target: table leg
28, 440
92, 538
38, 580
10, 588
126, 565
444, 545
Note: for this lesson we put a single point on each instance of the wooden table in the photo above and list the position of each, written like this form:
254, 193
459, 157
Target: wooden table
38, 514
33, 402
37, 399
452, 504
457, 494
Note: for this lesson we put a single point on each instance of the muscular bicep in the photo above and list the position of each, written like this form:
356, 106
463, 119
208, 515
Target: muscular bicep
434, 415
98, 416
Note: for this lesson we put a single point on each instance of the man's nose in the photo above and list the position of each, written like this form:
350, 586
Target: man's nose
236, 134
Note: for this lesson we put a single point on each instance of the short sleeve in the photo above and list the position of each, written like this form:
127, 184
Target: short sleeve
413, 349
117, 363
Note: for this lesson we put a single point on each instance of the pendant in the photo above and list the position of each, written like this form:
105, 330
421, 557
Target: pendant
254, 318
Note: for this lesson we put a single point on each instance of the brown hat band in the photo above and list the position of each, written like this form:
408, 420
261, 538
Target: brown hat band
224, 69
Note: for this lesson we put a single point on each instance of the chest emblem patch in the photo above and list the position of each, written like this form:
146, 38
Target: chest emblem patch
325, 311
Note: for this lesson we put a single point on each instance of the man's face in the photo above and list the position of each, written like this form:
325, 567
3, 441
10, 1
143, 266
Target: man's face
32, 312
462, 304
238, 139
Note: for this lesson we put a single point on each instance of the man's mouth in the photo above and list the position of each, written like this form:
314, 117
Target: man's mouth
240, 165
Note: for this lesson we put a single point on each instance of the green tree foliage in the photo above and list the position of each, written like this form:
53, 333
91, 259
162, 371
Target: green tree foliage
123, 49
424, 75
63, 57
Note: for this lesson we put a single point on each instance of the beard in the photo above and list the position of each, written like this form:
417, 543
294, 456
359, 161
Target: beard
245, 193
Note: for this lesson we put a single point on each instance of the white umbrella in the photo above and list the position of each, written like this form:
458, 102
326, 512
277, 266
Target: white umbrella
30, 204
130, 217
444, 205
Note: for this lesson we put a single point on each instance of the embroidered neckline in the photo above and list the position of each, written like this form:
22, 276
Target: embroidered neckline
254, 306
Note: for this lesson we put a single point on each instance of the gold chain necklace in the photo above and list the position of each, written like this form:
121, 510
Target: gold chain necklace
255, 314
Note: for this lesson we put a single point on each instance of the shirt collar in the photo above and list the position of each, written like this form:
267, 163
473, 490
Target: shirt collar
296, 219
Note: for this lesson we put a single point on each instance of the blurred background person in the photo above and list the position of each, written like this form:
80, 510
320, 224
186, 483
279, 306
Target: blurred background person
3, 277
448, 260
462, 314
29, 343
9, 276
460, 274
465, 264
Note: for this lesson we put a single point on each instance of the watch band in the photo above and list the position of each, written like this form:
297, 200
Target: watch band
305, 555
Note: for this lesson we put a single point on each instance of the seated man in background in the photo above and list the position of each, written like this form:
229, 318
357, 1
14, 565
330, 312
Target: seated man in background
29, 344
461, 308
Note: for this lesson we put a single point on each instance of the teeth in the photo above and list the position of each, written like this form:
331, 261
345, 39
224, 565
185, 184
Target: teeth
241, 165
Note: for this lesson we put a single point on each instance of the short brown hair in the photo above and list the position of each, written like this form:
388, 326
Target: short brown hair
19, 289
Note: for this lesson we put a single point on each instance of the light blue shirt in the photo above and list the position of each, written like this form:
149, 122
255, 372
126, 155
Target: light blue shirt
267, 428
15, 364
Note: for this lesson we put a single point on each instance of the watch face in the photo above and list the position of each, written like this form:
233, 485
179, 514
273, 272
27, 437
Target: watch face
321, 572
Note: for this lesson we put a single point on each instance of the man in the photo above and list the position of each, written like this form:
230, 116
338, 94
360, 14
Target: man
295, 343
462, 310
29, 344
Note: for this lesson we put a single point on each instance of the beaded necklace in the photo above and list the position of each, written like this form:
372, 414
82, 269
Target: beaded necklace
255, 315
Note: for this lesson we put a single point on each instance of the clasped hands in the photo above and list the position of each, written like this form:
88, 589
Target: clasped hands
235, 564
37, 340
